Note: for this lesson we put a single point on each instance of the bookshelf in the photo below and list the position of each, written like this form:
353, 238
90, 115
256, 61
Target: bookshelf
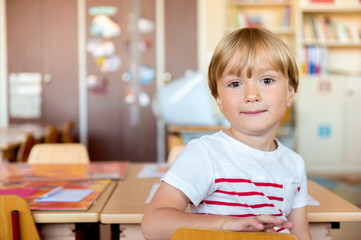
333, 30
327, 104
276, 15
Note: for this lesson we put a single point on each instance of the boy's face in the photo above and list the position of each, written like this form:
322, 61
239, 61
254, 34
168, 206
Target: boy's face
255, 105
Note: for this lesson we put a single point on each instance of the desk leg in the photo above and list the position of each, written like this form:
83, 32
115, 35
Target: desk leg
115, 229
87, 231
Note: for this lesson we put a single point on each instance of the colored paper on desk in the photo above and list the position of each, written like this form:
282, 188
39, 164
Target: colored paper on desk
66, 195
97, 186
93, 170
107, 170
21, 192
44, 186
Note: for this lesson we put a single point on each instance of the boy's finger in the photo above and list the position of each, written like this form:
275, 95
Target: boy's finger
270, 219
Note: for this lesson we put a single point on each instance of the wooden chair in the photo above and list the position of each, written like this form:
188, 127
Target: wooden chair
190, 233
174, 153
51, 135
25, 148
59, 153
26, 226
66, 136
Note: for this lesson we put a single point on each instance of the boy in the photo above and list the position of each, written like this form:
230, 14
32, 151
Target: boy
243, 178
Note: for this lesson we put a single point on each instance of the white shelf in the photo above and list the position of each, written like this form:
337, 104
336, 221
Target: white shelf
330, 43
334, 9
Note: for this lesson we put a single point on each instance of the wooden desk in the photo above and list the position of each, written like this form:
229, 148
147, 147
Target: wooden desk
127, 203
332, 207
92, 215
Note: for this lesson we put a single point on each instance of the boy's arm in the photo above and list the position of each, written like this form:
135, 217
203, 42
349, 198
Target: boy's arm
298, 217
166, 213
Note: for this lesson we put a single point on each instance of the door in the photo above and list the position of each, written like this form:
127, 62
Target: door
42, 40
121, 123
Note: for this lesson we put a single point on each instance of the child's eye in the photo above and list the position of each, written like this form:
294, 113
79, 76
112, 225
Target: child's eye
267, 81
235, 84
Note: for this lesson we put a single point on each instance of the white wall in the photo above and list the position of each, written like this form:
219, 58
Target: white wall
3, 67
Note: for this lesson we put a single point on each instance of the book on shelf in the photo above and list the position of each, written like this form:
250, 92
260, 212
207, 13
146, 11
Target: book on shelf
322, 1
325, 29
286, 18
313, 60
239, 19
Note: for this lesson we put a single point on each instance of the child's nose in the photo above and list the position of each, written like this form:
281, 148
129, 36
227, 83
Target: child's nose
252, 94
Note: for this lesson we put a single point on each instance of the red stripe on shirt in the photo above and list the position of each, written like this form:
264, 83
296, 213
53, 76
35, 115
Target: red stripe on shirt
242, 215
249, 194
275, 198
237, 204
240, 193
239, 180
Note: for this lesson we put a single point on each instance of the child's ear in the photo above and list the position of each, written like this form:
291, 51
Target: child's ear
290, 96
219, 103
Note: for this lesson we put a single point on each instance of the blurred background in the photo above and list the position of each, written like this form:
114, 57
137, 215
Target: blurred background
130, 75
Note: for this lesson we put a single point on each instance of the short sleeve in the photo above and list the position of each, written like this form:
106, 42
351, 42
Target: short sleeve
300, 199
192, 172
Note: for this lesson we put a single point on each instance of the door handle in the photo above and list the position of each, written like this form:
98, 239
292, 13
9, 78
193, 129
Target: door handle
47, 78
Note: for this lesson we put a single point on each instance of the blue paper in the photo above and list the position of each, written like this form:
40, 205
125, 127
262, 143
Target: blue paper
66, 195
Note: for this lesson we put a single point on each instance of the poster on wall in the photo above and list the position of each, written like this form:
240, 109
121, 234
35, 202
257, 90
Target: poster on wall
25, 95
103, 28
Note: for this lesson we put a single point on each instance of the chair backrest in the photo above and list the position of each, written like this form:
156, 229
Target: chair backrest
25, 148
174, 153
190, 233
66, 132
9, 203
51, 135
59, 153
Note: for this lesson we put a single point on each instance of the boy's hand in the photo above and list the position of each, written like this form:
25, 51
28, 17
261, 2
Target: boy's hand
255, 224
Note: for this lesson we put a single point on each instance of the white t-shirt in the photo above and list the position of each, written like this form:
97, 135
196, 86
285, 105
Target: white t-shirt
223, 176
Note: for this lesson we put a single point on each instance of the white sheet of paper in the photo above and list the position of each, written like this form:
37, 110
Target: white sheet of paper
66, 195
151, 193
150, 171
311, 201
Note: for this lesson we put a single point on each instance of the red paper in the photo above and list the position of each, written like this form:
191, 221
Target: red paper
21, 192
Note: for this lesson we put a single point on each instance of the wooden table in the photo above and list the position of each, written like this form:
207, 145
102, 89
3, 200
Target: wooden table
127, 203
85, 222
14, 135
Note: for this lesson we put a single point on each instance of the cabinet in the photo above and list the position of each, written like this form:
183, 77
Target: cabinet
328, 118
279, 16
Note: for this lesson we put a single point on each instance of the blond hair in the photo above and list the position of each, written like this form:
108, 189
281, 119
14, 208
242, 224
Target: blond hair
249, 43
